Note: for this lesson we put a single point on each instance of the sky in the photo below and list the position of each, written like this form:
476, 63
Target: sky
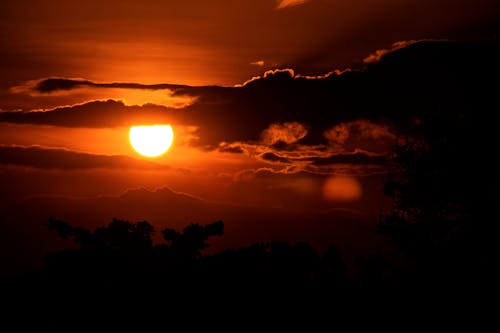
284, 113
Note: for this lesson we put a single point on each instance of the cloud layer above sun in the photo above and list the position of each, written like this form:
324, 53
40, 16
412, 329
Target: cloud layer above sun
388, 94
345, 121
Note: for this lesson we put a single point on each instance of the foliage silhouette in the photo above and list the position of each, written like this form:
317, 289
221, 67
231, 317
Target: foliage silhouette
123, 245
193, 239
128, 247
119, 235
445, 192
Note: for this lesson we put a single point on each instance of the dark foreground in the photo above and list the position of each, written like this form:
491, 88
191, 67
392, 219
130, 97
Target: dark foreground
117, 280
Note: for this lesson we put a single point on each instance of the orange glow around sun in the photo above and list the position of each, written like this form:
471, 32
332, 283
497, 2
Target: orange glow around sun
151, 141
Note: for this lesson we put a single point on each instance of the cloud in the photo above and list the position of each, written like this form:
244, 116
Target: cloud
61, 159
273, 74
289, 3
346, 110
361, 134
172, 95
230, 148
56, 84
285, 74
286, 132
95, 114
378, 54
258, 63
358, 158
359, 163
272, 157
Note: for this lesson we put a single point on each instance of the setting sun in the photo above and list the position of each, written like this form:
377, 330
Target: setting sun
151, 141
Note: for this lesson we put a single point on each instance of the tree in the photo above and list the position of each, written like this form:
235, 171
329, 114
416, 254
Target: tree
124, 245
445, 191
119, 235
192, 240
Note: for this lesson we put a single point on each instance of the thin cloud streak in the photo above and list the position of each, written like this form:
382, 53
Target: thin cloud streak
258, 63
290, 3
55, 84
61, 159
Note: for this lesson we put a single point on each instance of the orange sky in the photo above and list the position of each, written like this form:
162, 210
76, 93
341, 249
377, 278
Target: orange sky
303, 138
212, 42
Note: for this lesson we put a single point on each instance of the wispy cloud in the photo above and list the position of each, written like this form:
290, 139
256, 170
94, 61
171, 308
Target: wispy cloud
287, 133
258, 63
289, 3
378, 54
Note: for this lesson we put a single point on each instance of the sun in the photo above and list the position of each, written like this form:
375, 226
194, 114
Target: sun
151, 141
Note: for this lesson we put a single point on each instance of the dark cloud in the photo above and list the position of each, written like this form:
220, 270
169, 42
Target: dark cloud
95, 114
272, 157
54, 85
60, 159
233, 149
411, 81
287, 133
358, 158
378, 54
361, 134
358, 163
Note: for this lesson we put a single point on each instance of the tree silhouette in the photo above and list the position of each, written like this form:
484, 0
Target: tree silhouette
445, 191
117, 275
123, 245
192, 240
118, 235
